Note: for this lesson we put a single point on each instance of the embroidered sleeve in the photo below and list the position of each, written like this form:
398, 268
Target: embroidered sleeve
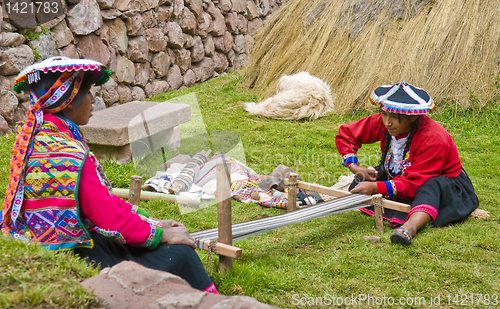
155, 234
349, 159
137, 210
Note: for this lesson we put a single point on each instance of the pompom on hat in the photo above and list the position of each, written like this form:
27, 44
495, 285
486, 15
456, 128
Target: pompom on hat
31, 74
402, 98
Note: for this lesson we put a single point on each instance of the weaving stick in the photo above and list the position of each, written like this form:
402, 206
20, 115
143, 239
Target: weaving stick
377, 205
224, 195
147, 196
134, 194
291, 204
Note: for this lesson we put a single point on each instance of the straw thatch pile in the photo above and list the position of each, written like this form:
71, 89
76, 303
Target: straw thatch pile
451, 48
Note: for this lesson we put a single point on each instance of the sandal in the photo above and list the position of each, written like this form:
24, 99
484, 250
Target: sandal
401, 236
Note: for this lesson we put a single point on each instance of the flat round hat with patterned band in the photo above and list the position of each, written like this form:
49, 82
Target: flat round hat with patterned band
402, 98
31, 74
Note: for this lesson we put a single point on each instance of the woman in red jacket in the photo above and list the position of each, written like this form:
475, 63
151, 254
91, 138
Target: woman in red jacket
419, 164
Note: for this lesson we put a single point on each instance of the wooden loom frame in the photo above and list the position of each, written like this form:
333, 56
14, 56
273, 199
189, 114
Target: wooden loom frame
223, 246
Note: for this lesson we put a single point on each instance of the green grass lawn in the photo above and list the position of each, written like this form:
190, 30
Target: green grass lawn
304, 265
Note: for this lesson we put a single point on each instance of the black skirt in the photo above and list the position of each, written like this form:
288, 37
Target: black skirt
447, 199
180, 260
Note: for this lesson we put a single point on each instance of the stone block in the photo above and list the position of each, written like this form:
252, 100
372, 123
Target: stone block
4, 127
110, 132
11, 39
198, 50
149, 19
174, 78
124, 93
175, 35
156, 39
142, 72
62, 34
118, 35
125, 70
138, 49
8, 104
156, 87
19, 19
188, 21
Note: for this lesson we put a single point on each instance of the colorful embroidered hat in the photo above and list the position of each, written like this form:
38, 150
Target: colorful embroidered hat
31, 74
402, 98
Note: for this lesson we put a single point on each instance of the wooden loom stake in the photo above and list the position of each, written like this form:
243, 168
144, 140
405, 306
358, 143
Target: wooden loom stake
224, 213
291, 204
379, 210
134, 196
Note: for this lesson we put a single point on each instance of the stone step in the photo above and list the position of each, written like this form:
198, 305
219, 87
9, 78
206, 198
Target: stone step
110, 132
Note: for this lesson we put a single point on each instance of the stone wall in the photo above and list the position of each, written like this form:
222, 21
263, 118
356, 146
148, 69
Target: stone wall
151, 46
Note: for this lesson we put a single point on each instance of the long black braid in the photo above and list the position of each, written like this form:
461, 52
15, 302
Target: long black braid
414, 126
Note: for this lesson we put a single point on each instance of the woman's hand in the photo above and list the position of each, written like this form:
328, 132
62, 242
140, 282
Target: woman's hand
366, 187
365, 174
176, 233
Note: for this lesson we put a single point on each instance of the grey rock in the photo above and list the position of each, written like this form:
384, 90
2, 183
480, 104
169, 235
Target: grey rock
204, 69
198, 50
196, 7
111, 14
4, 127
182, 59
14, 59
239, 43
252, 10
184, 300
211, 9
7, 82
225, 6
156, 87
138, 94
220, 62
124, 94
374, 239
62, 34
189, 78
70, 52
240, 61
254, 25
174, 78
146, 5
118, 35
178, 6
142, 72
125, 5
232, 21
188, 41
209, 46
134, 25
204, 21
45, 45
175, 35
8, 104
11, 39
160, 64
125, 70
109, 93
98, 104
164, 13
218, 26
188, 21
106, 4
240, 302
249, 43
156, 39
149, 19
239, 6
85, 17
138, 49
242, 24
264, 7
91, 47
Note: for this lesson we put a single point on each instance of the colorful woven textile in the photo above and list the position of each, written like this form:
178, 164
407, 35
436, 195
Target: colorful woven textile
242, 190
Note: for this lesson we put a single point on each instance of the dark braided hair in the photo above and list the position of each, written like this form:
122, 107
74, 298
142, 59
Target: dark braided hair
414, 127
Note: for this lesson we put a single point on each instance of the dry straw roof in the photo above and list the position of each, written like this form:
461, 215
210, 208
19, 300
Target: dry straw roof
450, 48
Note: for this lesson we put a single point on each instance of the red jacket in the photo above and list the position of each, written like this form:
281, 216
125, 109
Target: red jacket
432, 152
